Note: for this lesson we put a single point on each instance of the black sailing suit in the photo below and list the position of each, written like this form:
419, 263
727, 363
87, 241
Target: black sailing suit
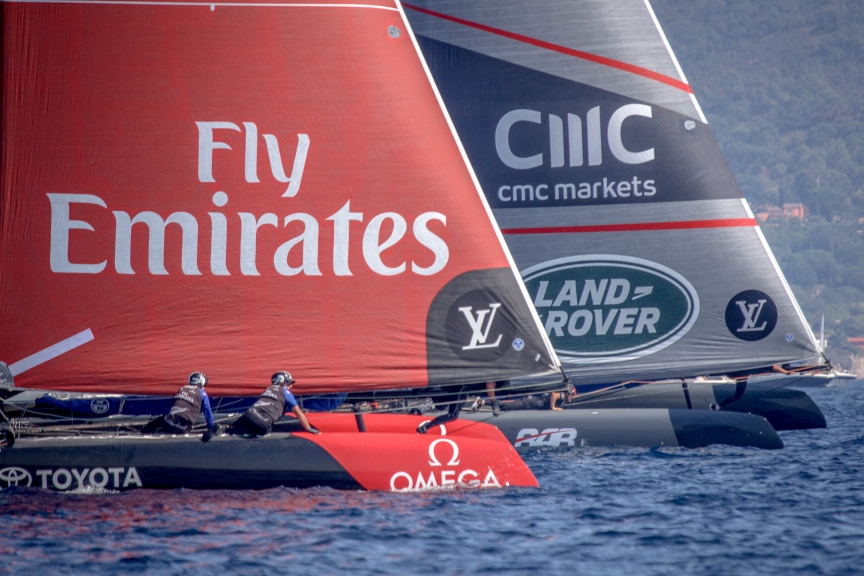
259, 419
188, 403
453, 398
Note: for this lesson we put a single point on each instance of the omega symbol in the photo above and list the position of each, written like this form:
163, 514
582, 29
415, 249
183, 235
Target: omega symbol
454, 459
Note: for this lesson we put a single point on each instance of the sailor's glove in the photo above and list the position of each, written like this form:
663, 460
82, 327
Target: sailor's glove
314, 430
210, 432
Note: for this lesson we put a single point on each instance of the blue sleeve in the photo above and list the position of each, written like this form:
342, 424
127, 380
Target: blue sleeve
208, 412
290, 401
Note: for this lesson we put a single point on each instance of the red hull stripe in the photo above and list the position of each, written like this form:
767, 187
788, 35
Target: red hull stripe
637, 226
638, 70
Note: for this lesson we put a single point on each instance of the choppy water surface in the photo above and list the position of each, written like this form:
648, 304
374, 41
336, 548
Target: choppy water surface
599, 511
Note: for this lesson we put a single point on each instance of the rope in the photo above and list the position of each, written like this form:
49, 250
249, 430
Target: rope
389, 406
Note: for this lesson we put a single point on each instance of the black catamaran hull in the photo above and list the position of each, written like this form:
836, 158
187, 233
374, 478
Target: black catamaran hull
389, 455
122, 463
784, 408
631, 427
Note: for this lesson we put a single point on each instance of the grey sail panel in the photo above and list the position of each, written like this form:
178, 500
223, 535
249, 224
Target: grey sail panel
622, 334
515, 219
623, 31
571, 144
635, 243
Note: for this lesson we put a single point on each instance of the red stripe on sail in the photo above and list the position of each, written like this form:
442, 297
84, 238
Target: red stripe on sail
637, 226
617, 64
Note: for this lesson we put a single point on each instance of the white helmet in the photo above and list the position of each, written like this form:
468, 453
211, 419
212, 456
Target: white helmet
198, 379
282, 377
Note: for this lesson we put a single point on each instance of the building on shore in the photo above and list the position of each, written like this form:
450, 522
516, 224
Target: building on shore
788, 211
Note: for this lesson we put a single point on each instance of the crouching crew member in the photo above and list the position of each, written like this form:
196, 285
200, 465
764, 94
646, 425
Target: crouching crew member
188, 403
453, 397
259, 419
558, 399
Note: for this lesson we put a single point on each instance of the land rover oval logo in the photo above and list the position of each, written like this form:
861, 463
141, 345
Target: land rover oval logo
751, 315
14, 476
607, 308
99, 405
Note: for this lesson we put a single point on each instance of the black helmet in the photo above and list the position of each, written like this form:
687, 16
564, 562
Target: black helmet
282, 377
198, 379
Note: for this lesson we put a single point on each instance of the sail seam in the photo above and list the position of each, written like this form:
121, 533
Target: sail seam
637, 226
602, 60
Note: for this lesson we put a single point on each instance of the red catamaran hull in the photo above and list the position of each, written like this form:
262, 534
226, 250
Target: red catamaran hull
389, 456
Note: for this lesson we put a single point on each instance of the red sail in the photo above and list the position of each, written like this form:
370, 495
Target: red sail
240, 189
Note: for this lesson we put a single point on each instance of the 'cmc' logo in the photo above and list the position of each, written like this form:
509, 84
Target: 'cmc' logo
751, 315
606, 308
478, 326
14, 476
574, 138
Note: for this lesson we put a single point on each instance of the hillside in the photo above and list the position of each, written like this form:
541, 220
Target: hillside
782, 85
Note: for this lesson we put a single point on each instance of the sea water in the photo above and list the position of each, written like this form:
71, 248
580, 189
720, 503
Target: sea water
718, 510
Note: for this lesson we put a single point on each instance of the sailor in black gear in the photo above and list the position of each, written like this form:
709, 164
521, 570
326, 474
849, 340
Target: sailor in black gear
558, 399
548, 401
453, 399
453, 410
259, 419
493, 400
188, 403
